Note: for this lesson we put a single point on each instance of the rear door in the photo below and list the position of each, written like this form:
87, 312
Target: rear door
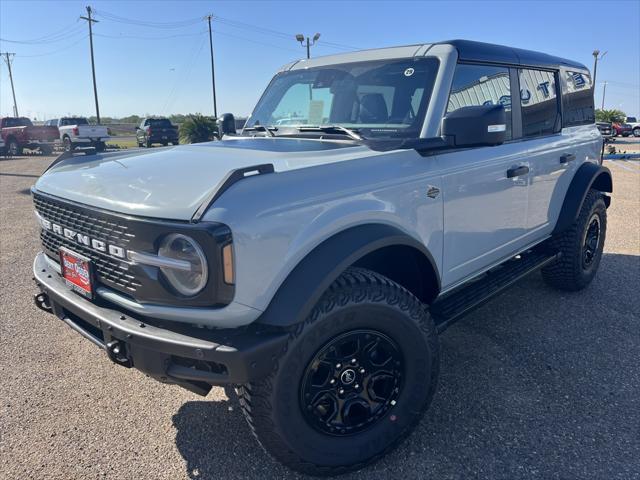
555, 152
485, 189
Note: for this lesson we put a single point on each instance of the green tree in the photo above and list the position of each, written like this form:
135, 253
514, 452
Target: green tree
198, 128
613, 116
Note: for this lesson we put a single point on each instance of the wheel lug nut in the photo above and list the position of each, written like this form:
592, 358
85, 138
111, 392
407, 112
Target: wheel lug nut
353, 360
362, 370
356, 386
332, 381
393, 402
341, 391
338, 365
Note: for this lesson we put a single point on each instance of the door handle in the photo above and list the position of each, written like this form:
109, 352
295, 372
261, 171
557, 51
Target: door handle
567, 157
517, 171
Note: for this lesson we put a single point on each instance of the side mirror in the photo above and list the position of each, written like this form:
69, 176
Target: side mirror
226, 124
476, 126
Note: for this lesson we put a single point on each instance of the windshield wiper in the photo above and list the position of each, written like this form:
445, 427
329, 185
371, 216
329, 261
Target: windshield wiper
334, 129
261, 128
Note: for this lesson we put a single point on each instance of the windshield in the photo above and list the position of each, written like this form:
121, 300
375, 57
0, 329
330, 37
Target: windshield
159, 122
379, 99
73, 121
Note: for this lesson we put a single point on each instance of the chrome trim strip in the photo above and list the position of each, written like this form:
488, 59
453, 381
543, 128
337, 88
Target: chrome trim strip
159, 261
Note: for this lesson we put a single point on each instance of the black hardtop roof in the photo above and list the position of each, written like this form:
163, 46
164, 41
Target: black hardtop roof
471, 51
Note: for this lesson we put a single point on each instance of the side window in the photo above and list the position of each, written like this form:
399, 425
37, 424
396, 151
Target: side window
577, 99
475, 85
539, 100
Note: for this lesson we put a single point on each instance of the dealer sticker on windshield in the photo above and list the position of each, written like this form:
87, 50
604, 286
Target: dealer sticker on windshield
76, 271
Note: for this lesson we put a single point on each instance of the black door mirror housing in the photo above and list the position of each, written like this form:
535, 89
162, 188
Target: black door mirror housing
226, 124
476, 126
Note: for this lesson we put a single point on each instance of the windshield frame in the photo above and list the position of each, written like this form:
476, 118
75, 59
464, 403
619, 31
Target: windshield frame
367, 131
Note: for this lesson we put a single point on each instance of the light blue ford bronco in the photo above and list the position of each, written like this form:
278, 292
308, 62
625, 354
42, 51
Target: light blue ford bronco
312, 259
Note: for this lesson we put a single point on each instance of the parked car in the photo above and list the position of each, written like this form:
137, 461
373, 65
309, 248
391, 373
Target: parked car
2, 147
76, 132
622, 129
156, 130
606, 129
634, 124
19, 133
313, 266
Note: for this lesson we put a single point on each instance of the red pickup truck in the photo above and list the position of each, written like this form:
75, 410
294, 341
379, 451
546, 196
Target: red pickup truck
19, 133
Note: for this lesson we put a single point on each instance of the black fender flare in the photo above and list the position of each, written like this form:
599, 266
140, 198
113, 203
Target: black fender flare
589, 175
311, 277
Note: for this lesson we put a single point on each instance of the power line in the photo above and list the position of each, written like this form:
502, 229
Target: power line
65, 34
140, 37
54, 52
146, 23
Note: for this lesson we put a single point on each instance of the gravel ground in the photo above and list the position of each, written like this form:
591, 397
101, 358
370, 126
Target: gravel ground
536, 384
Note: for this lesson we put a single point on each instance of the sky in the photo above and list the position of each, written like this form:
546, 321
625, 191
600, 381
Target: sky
153, 57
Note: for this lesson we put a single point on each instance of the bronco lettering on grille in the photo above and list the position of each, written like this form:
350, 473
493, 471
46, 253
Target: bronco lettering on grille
82, 239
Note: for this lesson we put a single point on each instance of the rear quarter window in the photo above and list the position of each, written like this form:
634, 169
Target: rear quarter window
577, 99
539, 102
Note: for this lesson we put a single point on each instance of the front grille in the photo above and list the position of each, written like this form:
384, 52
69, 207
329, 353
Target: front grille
112, 230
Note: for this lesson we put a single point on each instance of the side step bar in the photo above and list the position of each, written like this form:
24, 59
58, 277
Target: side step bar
454, 305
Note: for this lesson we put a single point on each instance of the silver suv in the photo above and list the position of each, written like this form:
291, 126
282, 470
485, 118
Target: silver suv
311, 260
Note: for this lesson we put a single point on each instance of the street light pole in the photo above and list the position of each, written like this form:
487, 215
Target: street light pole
596, 57
309, 42
213, 76
604, 91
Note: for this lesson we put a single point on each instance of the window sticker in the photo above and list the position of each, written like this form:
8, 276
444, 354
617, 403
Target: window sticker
408, 72
316, 108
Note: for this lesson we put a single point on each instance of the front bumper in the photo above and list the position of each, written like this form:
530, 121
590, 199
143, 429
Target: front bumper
195, 358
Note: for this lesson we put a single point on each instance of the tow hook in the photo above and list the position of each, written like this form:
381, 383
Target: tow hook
42, 302
117, 352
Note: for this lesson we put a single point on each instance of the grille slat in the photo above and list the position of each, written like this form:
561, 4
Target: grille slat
110, 271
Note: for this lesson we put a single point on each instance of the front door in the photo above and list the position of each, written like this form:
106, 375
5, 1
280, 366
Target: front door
485, 189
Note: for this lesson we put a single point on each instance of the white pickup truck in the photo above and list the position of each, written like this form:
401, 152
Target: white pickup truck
635, 125
77, 132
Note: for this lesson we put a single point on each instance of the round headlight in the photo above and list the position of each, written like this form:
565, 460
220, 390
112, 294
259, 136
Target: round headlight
189, 276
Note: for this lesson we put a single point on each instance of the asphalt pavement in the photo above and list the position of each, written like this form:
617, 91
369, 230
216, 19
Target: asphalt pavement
536, 384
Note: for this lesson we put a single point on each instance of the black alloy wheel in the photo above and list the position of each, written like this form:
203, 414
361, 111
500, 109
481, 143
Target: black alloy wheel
352, 382
591, 241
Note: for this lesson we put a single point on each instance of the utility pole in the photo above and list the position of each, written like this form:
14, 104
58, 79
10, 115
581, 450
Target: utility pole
213, 75
596, 57
7, 59
604, 91
91, 21
309, 42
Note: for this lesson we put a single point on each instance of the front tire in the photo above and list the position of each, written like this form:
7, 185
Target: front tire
354, 380
636, 132
68, 145
580, 247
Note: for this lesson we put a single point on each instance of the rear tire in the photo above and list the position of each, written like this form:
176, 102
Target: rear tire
580, 247
368, 337
13, 148
636, 132
100, 147
68, 145
148, 143
46, 150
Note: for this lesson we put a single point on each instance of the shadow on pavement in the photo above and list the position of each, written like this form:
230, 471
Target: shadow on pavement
535, 384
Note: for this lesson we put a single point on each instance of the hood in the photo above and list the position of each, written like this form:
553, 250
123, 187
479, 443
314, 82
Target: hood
171, 183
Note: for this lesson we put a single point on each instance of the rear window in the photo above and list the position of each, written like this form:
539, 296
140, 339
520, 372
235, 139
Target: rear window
17, 122
73, 121
577, 99
159, 122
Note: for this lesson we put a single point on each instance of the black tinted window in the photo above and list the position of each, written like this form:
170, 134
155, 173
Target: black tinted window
73, 121
539, 100
577, 99
159, 122
475, 85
